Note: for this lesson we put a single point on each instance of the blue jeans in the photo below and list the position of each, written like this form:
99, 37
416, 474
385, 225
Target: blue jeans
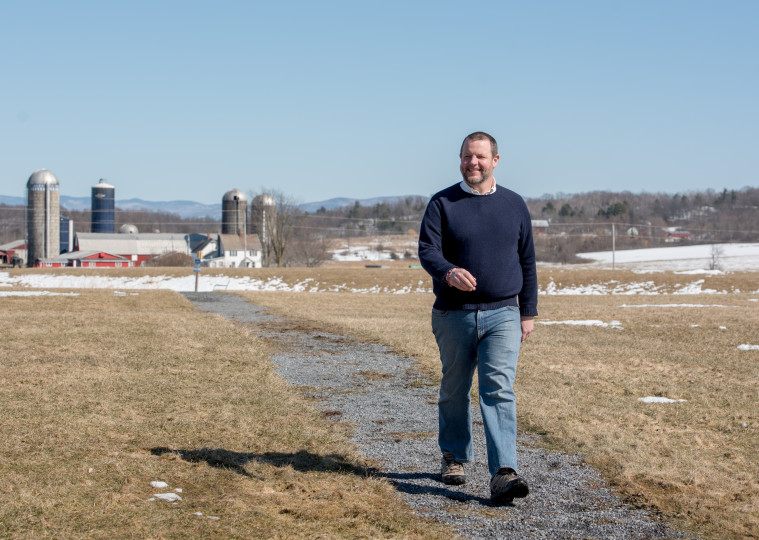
489, 341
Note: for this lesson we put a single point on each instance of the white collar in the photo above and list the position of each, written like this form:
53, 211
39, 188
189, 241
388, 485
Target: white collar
469, 189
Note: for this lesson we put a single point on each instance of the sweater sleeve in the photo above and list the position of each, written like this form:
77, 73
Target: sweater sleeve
431, 243
528, 296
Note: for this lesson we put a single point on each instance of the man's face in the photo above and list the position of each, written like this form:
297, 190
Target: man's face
477, 163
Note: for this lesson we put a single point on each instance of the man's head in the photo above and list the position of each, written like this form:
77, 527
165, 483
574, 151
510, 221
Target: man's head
481, 136
479, 156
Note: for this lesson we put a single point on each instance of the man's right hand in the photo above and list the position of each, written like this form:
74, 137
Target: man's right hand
462, 280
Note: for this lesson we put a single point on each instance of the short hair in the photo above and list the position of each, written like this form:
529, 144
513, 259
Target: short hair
481, 136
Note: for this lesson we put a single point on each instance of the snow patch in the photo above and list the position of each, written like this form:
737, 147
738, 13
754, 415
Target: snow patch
652, 399
171, 497
612, 324
36, 293
673, 305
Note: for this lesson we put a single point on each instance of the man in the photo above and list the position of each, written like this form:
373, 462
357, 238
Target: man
476, 243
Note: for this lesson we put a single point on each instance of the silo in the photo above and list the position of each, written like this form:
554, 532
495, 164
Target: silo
103, 208
67, 235
263, 213
43, 213
234, 209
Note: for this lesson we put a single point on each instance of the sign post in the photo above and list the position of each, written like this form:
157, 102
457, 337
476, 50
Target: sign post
196, 269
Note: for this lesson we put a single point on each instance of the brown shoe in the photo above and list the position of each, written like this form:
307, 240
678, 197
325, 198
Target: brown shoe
506, 485
452, 471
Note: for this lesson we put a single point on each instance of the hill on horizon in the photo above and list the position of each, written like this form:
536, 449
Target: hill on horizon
192, 209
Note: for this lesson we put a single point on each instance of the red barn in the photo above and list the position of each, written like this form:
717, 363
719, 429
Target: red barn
85, 259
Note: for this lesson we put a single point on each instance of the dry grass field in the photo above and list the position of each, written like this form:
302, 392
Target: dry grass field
94, 386
102, 394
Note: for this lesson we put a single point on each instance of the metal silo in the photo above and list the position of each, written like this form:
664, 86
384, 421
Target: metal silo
103, 208
263, 218
67, 235
234, 209
43, 213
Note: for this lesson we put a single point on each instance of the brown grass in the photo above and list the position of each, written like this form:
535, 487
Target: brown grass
579, 386
101, 394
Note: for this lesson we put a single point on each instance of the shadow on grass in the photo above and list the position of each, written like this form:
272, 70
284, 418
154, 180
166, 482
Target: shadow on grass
301, 461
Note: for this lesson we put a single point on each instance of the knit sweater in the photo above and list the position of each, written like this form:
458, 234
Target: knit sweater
488, 235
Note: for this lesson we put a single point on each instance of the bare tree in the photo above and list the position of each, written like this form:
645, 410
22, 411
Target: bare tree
716, 257
308, 248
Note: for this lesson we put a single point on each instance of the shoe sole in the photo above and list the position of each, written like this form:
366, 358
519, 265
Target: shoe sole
454, 480
518, 491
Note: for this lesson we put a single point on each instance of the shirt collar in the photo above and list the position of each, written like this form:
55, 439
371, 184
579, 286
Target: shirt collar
466, 187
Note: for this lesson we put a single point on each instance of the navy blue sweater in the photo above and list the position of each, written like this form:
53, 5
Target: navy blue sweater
488, 235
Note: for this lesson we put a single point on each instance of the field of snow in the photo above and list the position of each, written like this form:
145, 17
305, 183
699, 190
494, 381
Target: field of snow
701, 258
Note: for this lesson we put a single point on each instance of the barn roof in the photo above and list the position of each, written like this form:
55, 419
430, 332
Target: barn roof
233, 241
133, 244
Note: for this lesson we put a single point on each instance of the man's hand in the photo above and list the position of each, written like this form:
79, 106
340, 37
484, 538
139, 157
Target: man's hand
462, 280
528, 324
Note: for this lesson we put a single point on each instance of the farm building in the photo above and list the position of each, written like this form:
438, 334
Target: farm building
233, 251
85, 259
675, 235
11, 250
137, 248
540, 225
204, 246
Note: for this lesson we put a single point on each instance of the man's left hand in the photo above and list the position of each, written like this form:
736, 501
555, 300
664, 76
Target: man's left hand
528, 325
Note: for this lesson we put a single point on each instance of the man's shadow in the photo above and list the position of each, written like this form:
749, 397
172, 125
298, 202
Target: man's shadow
301, 461
304, 461
432, 486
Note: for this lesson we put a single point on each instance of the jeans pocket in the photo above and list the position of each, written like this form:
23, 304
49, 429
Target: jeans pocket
439, 312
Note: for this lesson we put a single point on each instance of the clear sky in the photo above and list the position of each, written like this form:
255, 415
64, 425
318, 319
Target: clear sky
186, 100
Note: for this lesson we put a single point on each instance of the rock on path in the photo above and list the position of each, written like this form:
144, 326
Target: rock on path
394, 414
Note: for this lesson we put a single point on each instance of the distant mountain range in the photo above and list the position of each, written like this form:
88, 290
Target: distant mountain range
192, 209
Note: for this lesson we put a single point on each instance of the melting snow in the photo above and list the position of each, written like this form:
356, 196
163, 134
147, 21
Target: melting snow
36, 293
748, 347
612, 324
673, 305
171, 497
651, 399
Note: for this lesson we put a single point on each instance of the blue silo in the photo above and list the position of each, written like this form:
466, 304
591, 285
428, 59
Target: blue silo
67, 234
103, 208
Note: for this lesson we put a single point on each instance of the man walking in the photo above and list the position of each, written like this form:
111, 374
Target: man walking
476, 243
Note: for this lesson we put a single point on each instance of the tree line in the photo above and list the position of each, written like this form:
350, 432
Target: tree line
583, 222
567, 224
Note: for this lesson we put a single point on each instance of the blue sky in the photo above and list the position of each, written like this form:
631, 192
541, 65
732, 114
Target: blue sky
186, 100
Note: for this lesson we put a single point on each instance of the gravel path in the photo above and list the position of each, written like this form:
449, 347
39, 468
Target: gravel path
394, 413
